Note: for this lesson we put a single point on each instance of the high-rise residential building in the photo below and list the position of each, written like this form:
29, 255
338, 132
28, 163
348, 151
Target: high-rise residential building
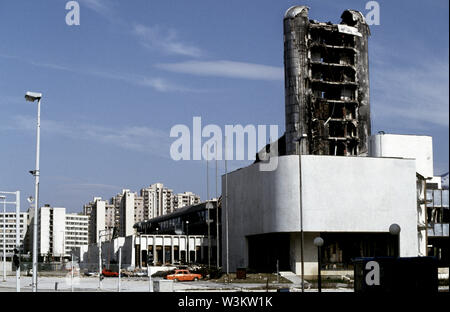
117, 217
102, 220
326, 84
139, 210
158, 200
185, 199
59, 232
127, 213
10, 232
76, 232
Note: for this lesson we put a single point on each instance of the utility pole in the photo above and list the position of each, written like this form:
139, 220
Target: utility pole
208, 210
4, 237
217, 214
99, 263
71, 277
31, 97
226, 208
120, 265
18, 239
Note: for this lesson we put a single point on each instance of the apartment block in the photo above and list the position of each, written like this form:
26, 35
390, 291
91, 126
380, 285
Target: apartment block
59, 232
102, 220
9, 219
158, 200
185, 199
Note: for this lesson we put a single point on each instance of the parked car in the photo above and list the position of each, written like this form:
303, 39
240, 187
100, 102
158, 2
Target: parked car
109, 273
91, 273
183, 275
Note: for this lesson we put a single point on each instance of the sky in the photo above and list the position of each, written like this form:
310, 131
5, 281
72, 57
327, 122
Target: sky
114, 86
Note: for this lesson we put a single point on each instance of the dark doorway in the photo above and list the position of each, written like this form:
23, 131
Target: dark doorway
339, 249
264, 251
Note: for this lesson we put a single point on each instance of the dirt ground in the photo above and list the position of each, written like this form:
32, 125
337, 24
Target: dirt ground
252, 278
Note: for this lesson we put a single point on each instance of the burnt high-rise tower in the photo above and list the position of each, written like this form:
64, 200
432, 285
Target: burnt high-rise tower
326, 84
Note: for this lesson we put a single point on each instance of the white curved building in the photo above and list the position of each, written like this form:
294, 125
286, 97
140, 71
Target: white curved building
349, 201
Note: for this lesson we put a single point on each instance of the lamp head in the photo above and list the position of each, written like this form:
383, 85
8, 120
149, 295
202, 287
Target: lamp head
318, 241
394, 229
33, 96
30, 199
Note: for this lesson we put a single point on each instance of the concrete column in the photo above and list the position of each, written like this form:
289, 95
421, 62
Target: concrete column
140, 251
155, 254
195, 249
164, 250
171, 251
201, 249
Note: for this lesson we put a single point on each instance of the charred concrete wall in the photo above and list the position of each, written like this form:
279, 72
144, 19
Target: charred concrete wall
327, 103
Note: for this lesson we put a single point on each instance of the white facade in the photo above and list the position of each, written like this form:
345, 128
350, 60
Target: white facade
10, 232
97, 219
59, 233
158, 200
339, 194
76, 233
126, 211
138, 245
418, 147
185, 199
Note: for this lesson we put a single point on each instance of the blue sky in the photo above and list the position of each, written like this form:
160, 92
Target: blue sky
115, 85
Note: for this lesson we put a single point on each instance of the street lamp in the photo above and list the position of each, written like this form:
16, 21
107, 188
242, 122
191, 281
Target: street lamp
298, 142
394, 229
31, 97
187, 237
318, 242
4, 236
209, 206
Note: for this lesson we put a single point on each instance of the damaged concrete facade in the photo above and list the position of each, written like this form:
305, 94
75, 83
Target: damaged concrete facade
326, 84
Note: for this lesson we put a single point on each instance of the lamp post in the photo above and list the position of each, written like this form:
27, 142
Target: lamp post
394, 229
318, 242
120, 265
63, 251
4, 236
71, 276
209, 206
31, 97
187, 243
100, 258
298, 142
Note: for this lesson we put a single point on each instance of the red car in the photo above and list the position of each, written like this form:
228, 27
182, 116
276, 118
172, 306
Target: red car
183, 275
109, 273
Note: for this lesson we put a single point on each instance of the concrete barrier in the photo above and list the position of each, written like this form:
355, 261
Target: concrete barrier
163, 286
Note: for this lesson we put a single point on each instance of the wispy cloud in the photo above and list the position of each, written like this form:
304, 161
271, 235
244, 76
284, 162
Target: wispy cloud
135, 138
229, 69
418, 94
156, 83
100, 6
165, 40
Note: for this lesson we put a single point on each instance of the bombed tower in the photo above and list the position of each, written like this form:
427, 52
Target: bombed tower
326, 84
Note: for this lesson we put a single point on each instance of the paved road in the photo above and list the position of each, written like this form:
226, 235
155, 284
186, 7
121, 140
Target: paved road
89, 284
